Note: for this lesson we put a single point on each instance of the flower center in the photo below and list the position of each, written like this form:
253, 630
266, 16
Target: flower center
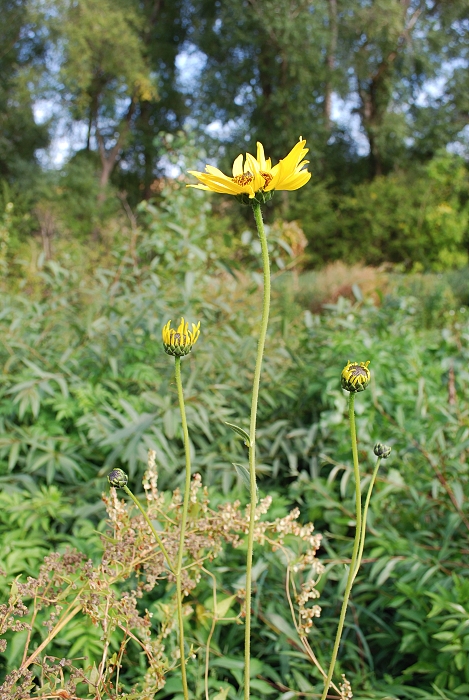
267, 178
244, 179
177, 339
358, 372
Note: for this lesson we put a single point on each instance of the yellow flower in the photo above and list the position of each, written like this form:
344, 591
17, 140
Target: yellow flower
252, 176
355, 376
180, 342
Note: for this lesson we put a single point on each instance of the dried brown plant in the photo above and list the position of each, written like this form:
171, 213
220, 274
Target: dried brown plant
132, 565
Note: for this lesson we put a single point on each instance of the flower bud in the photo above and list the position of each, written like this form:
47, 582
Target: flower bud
180, 342
355, 376
118, 478
381, 450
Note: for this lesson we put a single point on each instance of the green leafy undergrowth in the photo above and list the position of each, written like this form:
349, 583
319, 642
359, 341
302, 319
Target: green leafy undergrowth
85, 386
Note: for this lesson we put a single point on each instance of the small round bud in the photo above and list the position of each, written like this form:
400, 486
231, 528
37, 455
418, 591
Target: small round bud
381, 450
355, 376
179, 342
118, 478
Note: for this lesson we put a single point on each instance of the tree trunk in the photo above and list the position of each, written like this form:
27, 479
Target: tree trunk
109, 158
330, 62
46, 219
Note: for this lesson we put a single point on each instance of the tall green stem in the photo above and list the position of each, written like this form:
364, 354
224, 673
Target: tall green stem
150, 525
252, 446
356, 545
185, 509
365, 515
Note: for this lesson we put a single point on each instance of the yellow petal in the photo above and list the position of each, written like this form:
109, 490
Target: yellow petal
214, 171
261, 156
215, 187
251, 165
294, 183
276, 173
226, 183
199, 187
238, 166
294, 157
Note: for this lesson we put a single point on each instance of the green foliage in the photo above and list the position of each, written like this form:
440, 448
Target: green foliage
86, 386
416, 218
21, 63
103, 58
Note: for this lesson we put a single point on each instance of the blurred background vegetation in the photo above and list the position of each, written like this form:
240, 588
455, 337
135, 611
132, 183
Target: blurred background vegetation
103, 107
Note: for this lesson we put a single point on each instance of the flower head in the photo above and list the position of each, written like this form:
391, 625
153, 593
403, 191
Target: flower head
355, 376
118, 478
179, 342
255, 178
382, 450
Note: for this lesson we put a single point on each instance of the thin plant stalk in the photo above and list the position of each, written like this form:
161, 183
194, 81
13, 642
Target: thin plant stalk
365, 516
356, 545
252, 443
150, 525
64, 620
185, 510
176, 571
210, 634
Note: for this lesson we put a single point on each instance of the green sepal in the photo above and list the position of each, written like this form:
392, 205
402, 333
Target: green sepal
118, 478
259, 198
353, 387
177, 350
382, 450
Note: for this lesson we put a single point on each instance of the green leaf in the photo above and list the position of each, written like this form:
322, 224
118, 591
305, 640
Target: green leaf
13, 456
282, 625
243, 473
241, 432
223, 606
443, 636
222, 694
263, 687
93, 679
462, 689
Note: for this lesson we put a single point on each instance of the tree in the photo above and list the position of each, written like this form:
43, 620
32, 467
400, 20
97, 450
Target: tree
272, 69
164, 31
444, 116
266, 70
393, 50
21, 55
104, 72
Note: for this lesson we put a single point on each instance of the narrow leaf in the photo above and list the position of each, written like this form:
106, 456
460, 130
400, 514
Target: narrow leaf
243, 474
241, 432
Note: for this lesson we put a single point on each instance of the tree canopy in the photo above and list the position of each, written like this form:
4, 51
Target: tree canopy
377, 87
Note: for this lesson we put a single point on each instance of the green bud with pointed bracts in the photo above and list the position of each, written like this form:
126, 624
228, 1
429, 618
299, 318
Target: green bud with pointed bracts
118, 478
381, 450
179, 342
355, 376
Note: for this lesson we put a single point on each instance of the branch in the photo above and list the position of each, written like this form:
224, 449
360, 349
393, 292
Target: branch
384, 65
